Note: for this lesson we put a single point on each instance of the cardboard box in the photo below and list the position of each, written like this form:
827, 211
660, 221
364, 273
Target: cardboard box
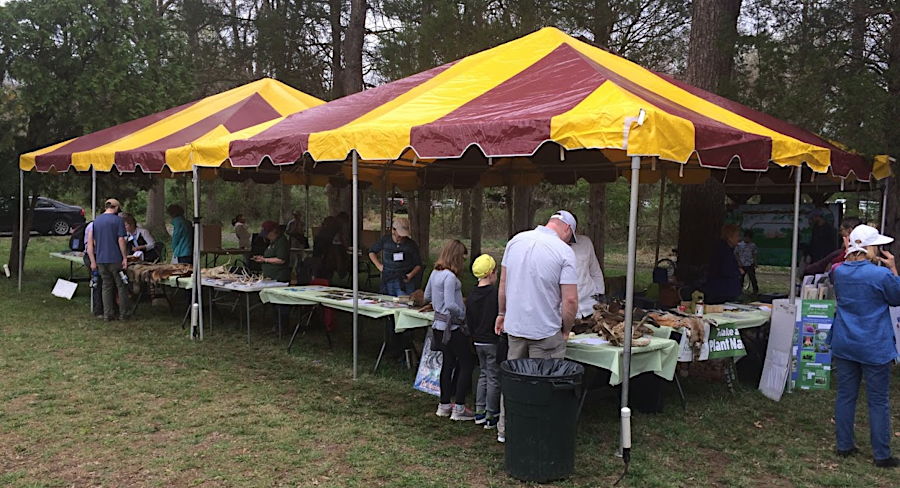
211, 237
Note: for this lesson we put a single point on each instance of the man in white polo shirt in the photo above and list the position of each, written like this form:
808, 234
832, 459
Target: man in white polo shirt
540, 281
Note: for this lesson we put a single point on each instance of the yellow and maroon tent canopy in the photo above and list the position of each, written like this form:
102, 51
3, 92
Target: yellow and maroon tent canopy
529, 98
164, 139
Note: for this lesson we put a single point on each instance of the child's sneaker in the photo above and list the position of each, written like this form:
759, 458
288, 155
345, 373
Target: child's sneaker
480, 417
490, 423
444, 409
460, 412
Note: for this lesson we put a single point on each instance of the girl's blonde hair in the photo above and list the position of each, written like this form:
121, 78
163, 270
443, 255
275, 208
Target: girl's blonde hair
872, 255
452, 257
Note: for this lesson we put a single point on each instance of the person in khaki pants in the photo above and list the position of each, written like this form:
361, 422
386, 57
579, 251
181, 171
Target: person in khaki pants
106, 250
539, 276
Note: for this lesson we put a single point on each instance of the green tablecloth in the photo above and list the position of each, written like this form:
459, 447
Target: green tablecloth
404, 318
186, 282
739, 319
73, 257
659, 357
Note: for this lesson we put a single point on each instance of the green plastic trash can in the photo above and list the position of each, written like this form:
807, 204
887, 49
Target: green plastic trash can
541, 399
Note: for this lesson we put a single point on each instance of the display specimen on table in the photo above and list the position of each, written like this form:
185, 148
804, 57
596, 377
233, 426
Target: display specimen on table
694, 329
811, 364
608, 321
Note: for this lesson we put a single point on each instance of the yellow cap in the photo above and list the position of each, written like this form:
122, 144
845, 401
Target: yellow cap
482, 266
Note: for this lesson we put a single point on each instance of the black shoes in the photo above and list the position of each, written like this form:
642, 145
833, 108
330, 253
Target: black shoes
848, 453
890, 462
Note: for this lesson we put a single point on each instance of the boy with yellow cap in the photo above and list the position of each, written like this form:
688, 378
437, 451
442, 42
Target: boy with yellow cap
481, 314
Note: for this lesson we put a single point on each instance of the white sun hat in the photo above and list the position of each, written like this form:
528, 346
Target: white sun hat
864, 236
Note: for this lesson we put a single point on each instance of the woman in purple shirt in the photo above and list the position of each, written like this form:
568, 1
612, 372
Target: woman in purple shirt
862, 340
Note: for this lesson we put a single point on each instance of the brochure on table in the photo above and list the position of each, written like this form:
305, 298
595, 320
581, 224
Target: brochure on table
811, 364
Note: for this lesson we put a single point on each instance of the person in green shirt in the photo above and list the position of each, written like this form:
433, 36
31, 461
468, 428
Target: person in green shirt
276, 265
276, 258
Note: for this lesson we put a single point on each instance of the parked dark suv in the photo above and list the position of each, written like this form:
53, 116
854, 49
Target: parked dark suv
50, 216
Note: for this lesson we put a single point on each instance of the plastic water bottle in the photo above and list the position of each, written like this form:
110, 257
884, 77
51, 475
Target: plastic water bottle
123, 277
95, 279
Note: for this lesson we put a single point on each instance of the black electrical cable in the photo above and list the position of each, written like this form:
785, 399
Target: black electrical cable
626, 456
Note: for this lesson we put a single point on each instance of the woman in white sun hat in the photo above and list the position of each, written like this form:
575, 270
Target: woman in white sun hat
862, 340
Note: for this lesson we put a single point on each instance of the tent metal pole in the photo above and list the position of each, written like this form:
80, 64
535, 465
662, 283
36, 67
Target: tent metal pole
884, 201
308, 226
629, 304
196, 293
796, 237
662, 197
21, 224
93, 216
355, 261
383, 205
93, 193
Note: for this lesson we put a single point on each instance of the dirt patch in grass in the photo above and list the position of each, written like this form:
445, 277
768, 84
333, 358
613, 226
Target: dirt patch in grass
20, 404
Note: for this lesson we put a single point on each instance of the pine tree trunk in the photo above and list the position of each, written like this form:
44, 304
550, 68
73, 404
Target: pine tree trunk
525, 208
710, 64
335, 199
603, 22
596, 224
892, 210
700, 219
212, 203
337, 69
712, 43
420, 221
466, 218
14, 247
354, 37
287, 208
477, 216
156, 209
510, 201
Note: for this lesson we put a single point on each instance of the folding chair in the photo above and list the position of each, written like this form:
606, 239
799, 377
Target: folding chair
328, 317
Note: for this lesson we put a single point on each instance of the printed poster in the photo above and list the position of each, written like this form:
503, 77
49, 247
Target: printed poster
811, 364
895, 319
720, 343
773, 228
428, 377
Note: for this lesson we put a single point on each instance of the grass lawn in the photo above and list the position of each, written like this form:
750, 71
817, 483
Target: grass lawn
87, 403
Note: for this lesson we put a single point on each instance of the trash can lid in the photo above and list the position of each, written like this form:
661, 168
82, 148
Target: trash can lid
542, 368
